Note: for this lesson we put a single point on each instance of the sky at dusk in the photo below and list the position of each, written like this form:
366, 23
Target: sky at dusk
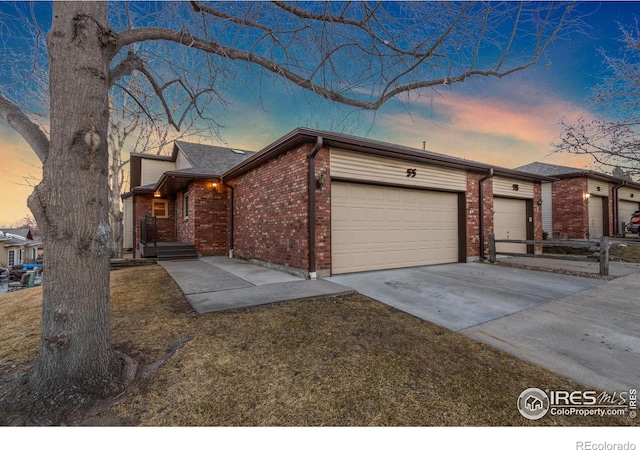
507, 122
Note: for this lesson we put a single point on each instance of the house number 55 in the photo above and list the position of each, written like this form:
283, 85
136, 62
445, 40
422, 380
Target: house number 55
411, 173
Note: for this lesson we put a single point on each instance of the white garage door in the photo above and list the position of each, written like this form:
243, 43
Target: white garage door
625, 210
376, 227
510, 222
595, 217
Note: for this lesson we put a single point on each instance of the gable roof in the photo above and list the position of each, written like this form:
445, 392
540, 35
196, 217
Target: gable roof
207, 161
301, 136
553, 170
23, 232
210, 159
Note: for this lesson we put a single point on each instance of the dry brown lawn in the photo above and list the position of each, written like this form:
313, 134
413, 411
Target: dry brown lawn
630, 253
342, 361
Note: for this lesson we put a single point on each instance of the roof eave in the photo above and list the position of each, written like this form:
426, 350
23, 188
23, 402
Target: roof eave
303, 135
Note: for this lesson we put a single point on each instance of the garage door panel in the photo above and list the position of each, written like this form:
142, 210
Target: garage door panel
510, 222
405, 227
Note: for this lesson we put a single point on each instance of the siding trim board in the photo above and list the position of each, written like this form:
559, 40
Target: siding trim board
365, 167
510, 187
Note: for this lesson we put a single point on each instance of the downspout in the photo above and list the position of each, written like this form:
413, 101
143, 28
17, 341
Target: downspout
481, 210
616, 218
312, 207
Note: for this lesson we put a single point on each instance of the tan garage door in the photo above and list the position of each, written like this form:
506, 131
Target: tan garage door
625, 210
510, 222
376, 227
595, 217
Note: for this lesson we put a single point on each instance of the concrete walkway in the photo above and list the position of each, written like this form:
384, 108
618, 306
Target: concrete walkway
218, 283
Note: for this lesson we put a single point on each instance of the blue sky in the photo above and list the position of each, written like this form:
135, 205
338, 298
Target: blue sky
507, 122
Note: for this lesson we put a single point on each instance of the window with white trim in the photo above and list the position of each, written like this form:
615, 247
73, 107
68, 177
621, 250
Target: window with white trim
160, 208
12, 258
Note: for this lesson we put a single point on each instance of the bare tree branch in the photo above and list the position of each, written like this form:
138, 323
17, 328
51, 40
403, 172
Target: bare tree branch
125, 67
31, 132
613, 138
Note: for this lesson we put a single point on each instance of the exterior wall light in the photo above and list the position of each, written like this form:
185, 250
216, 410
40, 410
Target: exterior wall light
157, 194
320, 181
587, 195
214, 185
539, 202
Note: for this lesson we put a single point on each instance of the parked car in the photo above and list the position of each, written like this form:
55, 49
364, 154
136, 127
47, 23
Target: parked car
634, 223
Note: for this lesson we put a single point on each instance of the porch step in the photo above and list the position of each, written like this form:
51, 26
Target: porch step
117, 264
175, 252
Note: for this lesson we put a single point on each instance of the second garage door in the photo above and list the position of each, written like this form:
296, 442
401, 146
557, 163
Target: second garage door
596, 212
379, 227
626, 210
510, 222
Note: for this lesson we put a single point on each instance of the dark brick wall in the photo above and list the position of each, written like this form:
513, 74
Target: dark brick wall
537, 215
473, 213
166, 226
323, 211
570, 209
207, 226
270, 211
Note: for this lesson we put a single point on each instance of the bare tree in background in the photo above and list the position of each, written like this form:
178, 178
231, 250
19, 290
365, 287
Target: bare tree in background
613, 138
135, 129
358, 54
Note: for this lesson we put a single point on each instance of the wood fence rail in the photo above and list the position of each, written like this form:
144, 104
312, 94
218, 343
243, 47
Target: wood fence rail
603, 245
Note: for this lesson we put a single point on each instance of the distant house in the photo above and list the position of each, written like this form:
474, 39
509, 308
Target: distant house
584, 203
317, 203
17, 246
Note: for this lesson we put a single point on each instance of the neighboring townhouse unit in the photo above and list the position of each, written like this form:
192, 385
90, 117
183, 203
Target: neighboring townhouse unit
179, 199
317, 203
584, 204
17, 246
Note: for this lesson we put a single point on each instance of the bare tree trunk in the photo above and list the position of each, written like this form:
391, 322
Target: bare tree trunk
71, 207
115, 202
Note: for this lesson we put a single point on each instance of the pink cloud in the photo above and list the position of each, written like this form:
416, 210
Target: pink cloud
504, 132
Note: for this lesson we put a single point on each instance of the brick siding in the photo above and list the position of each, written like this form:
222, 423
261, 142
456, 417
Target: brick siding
166, 226
537, 215
570, 209
207, 224
473, 213
270, 213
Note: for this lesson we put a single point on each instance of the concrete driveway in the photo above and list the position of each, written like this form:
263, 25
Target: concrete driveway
584, 329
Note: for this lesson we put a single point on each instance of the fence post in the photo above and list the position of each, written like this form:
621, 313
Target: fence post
604, 255
492, 248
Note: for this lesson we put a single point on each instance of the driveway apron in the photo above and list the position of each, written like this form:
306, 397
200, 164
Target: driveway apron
585, 329
459, 296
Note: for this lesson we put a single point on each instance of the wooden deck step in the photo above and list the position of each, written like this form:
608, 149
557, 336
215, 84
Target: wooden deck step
177, 252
